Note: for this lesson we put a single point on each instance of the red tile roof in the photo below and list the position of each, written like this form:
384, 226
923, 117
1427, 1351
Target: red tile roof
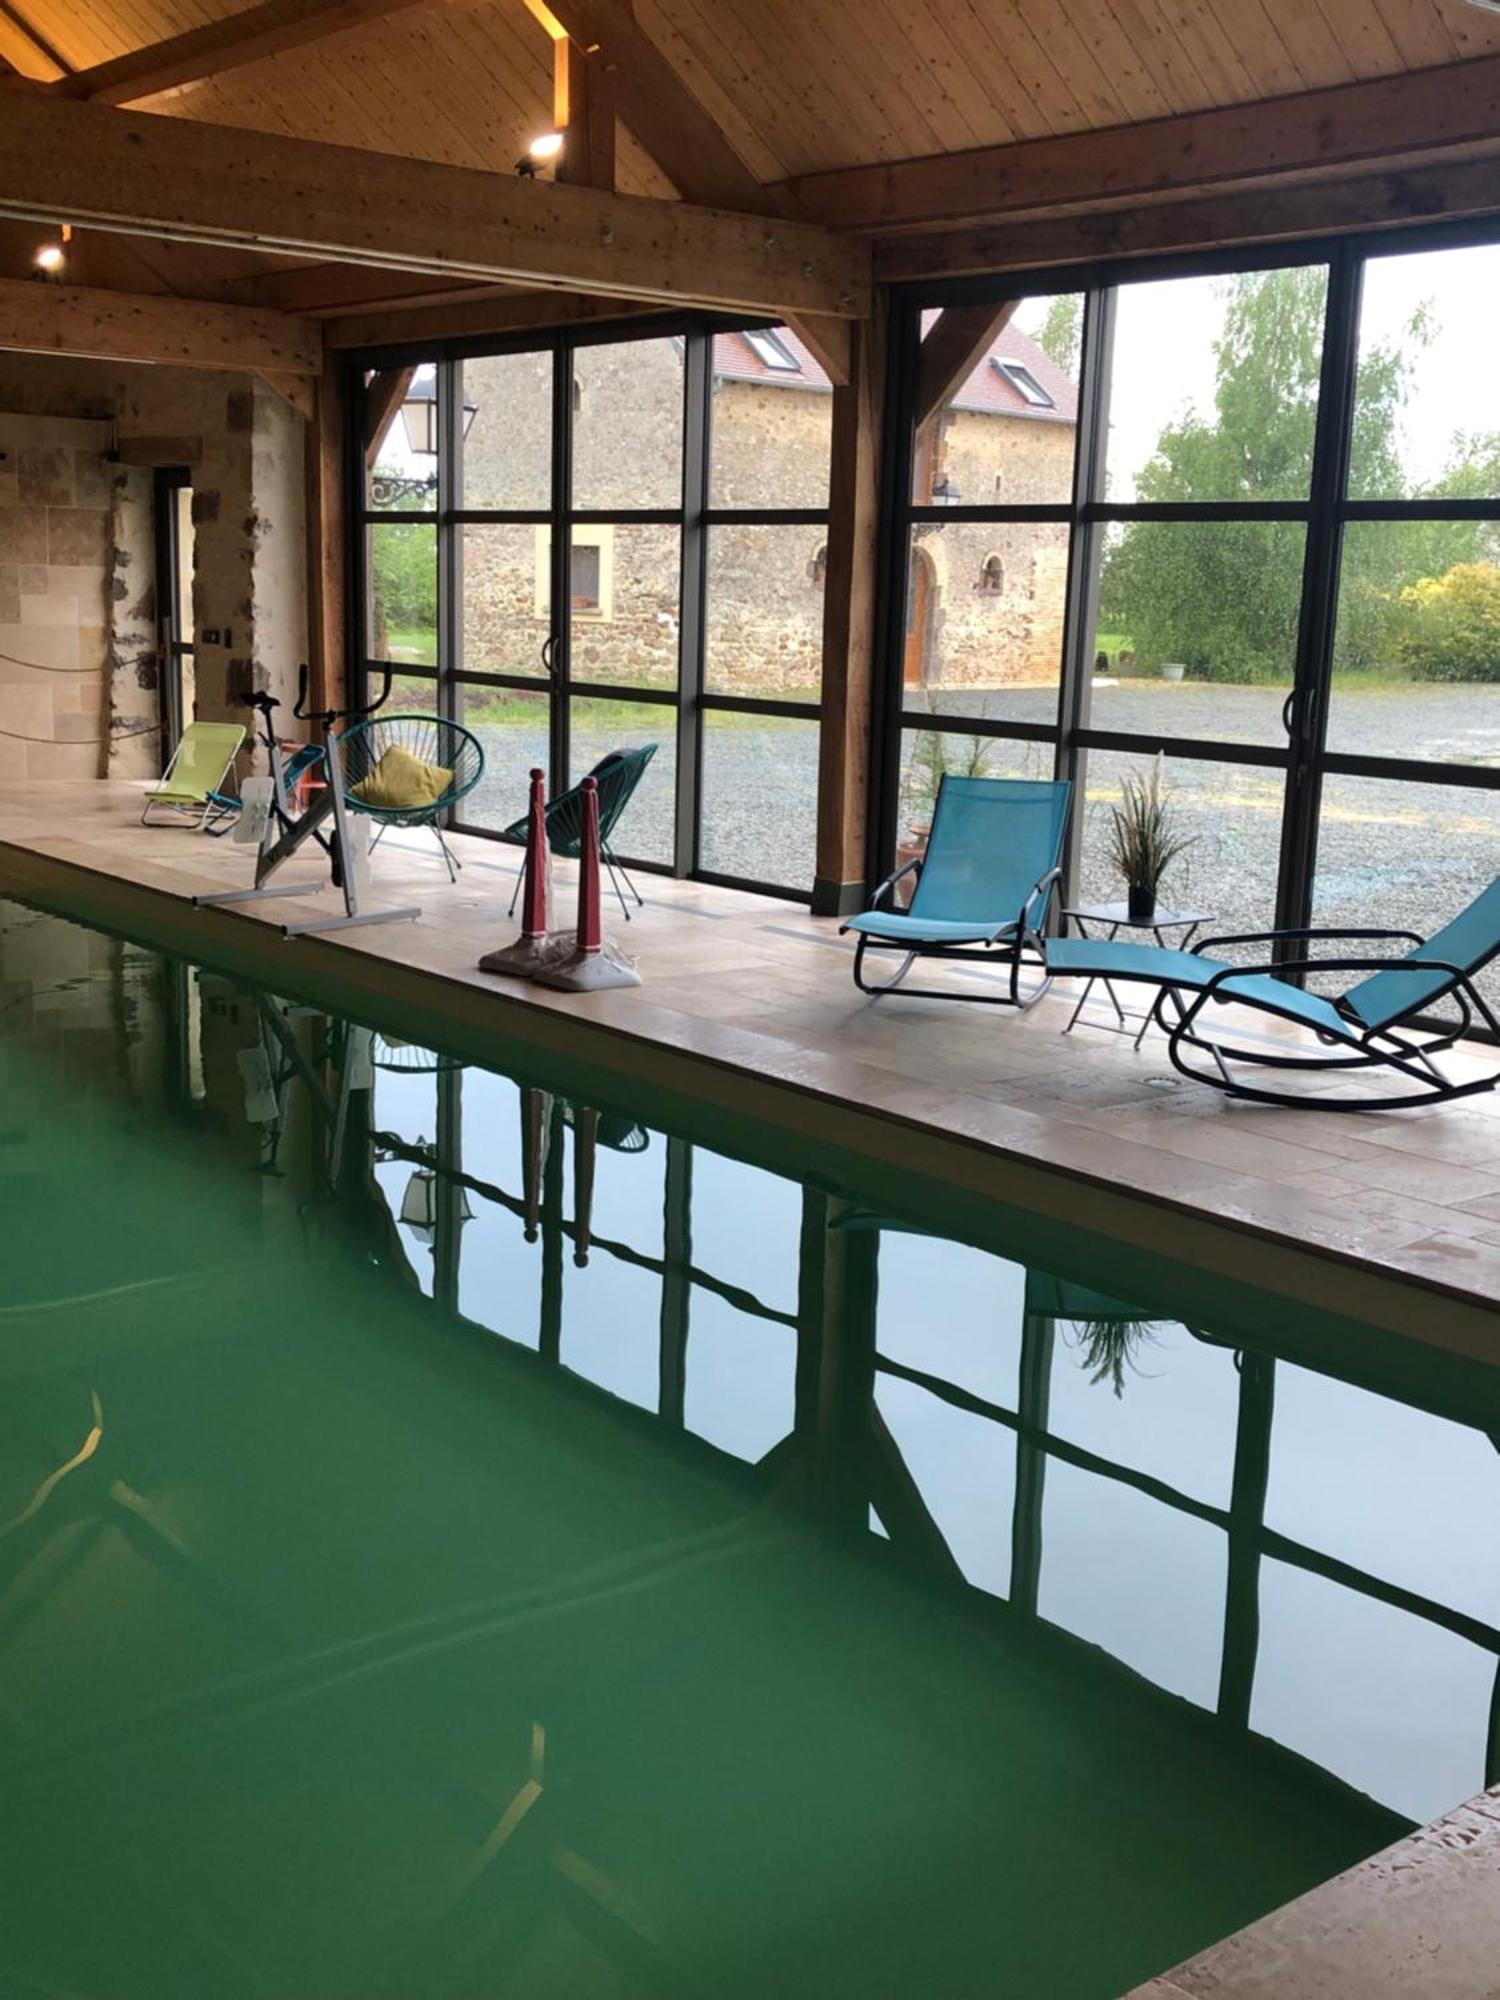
985, 389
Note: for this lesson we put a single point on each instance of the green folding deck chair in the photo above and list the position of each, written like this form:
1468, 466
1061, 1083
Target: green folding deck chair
984, 889
192, 786
1383, 1023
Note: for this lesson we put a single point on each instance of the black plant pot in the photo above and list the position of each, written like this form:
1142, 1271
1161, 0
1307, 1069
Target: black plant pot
1141, 903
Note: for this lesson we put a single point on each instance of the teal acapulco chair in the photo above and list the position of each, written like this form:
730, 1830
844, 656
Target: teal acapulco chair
616, 776
1382, 1023
448, 745
984, 890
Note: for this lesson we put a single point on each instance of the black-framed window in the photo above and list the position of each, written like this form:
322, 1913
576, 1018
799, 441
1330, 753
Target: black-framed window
583, 542
1281, 545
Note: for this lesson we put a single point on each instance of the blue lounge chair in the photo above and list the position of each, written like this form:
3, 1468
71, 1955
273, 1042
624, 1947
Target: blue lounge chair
1382, 1023
984, 890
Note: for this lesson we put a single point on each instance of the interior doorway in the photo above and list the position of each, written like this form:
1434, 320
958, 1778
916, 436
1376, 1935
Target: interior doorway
174, 602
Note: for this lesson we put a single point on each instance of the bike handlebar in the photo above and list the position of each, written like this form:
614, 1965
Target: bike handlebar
328, 716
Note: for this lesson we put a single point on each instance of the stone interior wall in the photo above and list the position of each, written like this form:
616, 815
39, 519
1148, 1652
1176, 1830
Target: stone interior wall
55, 541
242, 444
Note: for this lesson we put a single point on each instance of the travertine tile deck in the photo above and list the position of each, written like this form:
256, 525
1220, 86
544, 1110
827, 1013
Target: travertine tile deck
1419, 1922
760, 992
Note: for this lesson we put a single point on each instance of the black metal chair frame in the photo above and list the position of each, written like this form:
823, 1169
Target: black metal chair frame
1020, 943
1382, 1048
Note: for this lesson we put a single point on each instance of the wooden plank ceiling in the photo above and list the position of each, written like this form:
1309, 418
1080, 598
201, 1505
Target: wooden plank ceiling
797, 88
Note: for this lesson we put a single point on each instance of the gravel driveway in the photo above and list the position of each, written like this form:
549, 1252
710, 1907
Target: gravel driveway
1391, 854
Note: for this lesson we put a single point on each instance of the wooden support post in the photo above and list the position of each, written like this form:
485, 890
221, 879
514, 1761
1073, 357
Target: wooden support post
583, 110
325, 540
849, 625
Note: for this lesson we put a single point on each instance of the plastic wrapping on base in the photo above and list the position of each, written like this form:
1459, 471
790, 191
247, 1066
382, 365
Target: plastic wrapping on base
529, 956
591, 971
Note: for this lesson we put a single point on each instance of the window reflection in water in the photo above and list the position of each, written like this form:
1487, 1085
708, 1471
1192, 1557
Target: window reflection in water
1222, 1523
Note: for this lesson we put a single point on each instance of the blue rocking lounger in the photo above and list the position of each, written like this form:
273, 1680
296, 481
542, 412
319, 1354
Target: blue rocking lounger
984, 889
1380, 1024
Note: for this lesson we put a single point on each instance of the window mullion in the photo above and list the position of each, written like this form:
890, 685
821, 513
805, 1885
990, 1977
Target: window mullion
696, 389
1317, 616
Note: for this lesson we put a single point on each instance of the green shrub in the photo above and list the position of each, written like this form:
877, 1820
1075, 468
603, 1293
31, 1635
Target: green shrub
1451, 631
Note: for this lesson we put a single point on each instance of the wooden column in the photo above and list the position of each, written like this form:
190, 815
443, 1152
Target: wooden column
325, 538
583, 109
849, 624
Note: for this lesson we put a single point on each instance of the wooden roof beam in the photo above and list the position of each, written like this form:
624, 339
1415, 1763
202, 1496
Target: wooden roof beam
177, 178
1418, 116
1455, 191
670, 123
489, 313
125, 326
682, 137
272, 29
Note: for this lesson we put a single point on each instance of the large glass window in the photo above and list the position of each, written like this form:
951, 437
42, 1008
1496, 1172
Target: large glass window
984, 605
1293, 594
592, 544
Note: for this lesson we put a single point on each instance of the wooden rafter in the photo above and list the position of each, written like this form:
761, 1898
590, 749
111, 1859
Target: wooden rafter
678, 132
660, 110
1456, 190
327, 290
121, 326
489, 313
958, 339
274, 28
207, 183
1415, 117
25, 49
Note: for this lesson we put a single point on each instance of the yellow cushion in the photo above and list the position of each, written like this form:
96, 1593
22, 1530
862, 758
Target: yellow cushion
401, 781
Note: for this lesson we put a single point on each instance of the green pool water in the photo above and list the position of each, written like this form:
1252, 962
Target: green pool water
467, 1536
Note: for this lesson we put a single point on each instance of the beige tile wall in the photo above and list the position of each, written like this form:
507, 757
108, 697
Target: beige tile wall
55, 539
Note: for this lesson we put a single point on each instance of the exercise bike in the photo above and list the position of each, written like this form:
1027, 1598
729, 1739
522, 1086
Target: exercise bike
292, 830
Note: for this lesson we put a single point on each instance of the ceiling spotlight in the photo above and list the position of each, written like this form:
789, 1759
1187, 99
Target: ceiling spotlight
542, 150
50, 258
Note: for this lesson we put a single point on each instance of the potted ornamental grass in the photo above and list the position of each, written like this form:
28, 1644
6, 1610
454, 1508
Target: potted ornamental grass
1145, 838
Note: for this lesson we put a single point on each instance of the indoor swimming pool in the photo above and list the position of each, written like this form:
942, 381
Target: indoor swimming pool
464, 1535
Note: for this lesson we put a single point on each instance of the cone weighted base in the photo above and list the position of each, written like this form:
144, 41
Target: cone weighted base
591, 971
529, 957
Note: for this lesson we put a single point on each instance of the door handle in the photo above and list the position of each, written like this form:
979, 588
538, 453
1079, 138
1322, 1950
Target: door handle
1288, 708
549, 656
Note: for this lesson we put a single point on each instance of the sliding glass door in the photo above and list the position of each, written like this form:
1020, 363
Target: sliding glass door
618, 542
1259, 539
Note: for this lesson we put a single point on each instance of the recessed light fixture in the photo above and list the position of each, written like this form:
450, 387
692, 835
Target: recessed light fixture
540, 153
51, 255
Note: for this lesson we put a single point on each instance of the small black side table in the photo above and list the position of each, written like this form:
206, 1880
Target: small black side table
1112, 918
